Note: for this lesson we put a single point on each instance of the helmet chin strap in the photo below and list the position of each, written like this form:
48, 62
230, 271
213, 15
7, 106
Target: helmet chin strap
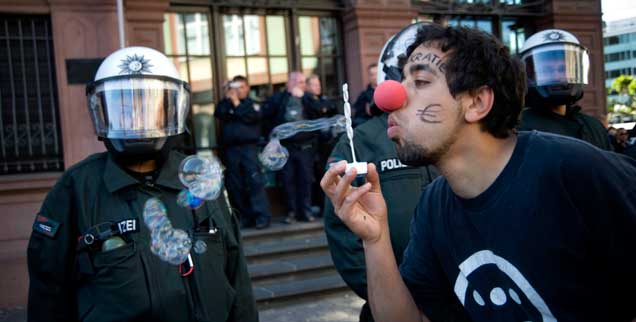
125, 156
135, 154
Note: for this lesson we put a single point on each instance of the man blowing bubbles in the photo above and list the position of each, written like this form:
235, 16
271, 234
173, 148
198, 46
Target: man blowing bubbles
517, 228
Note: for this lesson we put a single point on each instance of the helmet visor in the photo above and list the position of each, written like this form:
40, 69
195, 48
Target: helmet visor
557, 64
139, 107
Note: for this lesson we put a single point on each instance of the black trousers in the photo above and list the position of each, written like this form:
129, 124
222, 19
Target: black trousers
297, 176
245, 184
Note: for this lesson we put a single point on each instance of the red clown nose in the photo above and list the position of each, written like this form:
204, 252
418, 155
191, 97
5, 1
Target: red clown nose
389, 96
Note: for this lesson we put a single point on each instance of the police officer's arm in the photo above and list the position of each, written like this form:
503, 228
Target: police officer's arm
313, 107
222, 111
269, 111
246, 113
51, 258
360, 105
345, 247
244, 307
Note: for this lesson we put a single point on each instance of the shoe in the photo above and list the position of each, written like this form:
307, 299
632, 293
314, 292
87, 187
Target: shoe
316, 211
262, 224
290, 219
309, 217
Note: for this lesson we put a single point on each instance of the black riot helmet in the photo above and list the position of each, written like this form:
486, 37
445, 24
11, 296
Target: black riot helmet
557, 67
137, 103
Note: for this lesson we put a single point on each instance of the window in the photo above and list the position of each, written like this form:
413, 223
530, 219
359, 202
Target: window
483, 23
512, 35
320, 52
611, 40
256, 47
187, 43
30, 139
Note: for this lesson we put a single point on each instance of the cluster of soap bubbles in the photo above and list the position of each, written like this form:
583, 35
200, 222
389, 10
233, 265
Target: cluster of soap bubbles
274, 155
203, 178
169, 244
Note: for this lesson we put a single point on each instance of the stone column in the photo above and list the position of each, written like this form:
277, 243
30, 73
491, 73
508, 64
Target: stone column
81, 29
367, 25
144, 22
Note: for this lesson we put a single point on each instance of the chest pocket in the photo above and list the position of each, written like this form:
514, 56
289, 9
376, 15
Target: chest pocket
117, 289
214, 291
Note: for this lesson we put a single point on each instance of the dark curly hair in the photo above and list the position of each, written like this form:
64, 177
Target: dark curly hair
475, 59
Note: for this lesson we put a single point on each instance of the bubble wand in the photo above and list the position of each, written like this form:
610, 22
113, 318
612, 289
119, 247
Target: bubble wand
361, 167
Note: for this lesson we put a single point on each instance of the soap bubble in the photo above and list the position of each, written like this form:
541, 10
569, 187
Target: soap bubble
203, 176
274, 155
169, 244
200, 247
187, 200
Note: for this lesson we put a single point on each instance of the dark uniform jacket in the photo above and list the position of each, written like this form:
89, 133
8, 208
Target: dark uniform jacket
239, 125
574, 124
360, 114
274, 111
401, 186
130, 283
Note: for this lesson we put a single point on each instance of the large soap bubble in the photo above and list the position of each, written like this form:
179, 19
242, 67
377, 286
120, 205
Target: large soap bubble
169, 244
203, 178
274, 156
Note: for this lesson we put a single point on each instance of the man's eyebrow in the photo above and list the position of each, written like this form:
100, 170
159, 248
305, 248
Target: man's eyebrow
422, 67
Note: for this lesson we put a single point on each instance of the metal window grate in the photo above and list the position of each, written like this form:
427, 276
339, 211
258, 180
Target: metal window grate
30, 139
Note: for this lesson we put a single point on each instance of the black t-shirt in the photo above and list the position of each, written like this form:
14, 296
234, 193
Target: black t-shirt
552, 239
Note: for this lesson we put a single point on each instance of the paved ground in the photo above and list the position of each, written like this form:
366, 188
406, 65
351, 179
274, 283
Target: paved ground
339, 307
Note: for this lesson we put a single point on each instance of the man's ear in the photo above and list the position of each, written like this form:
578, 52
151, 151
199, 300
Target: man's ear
478, 103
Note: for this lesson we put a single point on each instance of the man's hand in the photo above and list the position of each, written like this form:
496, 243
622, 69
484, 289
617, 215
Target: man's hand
232, 95
297, 92
362, 209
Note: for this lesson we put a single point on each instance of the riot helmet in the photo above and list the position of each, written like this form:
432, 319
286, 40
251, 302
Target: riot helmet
557, 67
394, 48
137, 102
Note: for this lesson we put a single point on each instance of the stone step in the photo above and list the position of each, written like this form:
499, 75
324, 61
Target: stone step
265, 293
281, 231
290, 266
276, 249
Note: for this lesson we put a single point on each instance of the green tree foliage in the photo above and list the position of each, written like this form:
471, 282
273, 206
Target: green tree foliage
625, 85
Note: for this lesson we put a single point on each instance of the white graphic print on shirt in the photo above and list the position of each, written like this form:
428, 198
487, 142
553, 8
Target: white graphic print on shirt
517, 298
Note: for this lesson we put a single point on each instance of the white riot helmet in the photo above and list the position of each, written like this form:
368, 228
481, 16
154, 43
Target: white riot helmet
394, 48
556, 66
137, 101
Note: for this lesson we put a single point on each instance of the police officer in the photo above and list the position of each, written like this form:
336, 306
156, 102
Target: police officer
89, 255
363, 106
240, 122
557, 68
297, 174
401, 186
319, 106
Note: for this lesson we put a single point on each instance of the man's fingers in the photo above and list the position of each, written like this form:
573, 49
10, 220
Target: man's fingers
343, 187
331, 177
350, 200
373, 177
